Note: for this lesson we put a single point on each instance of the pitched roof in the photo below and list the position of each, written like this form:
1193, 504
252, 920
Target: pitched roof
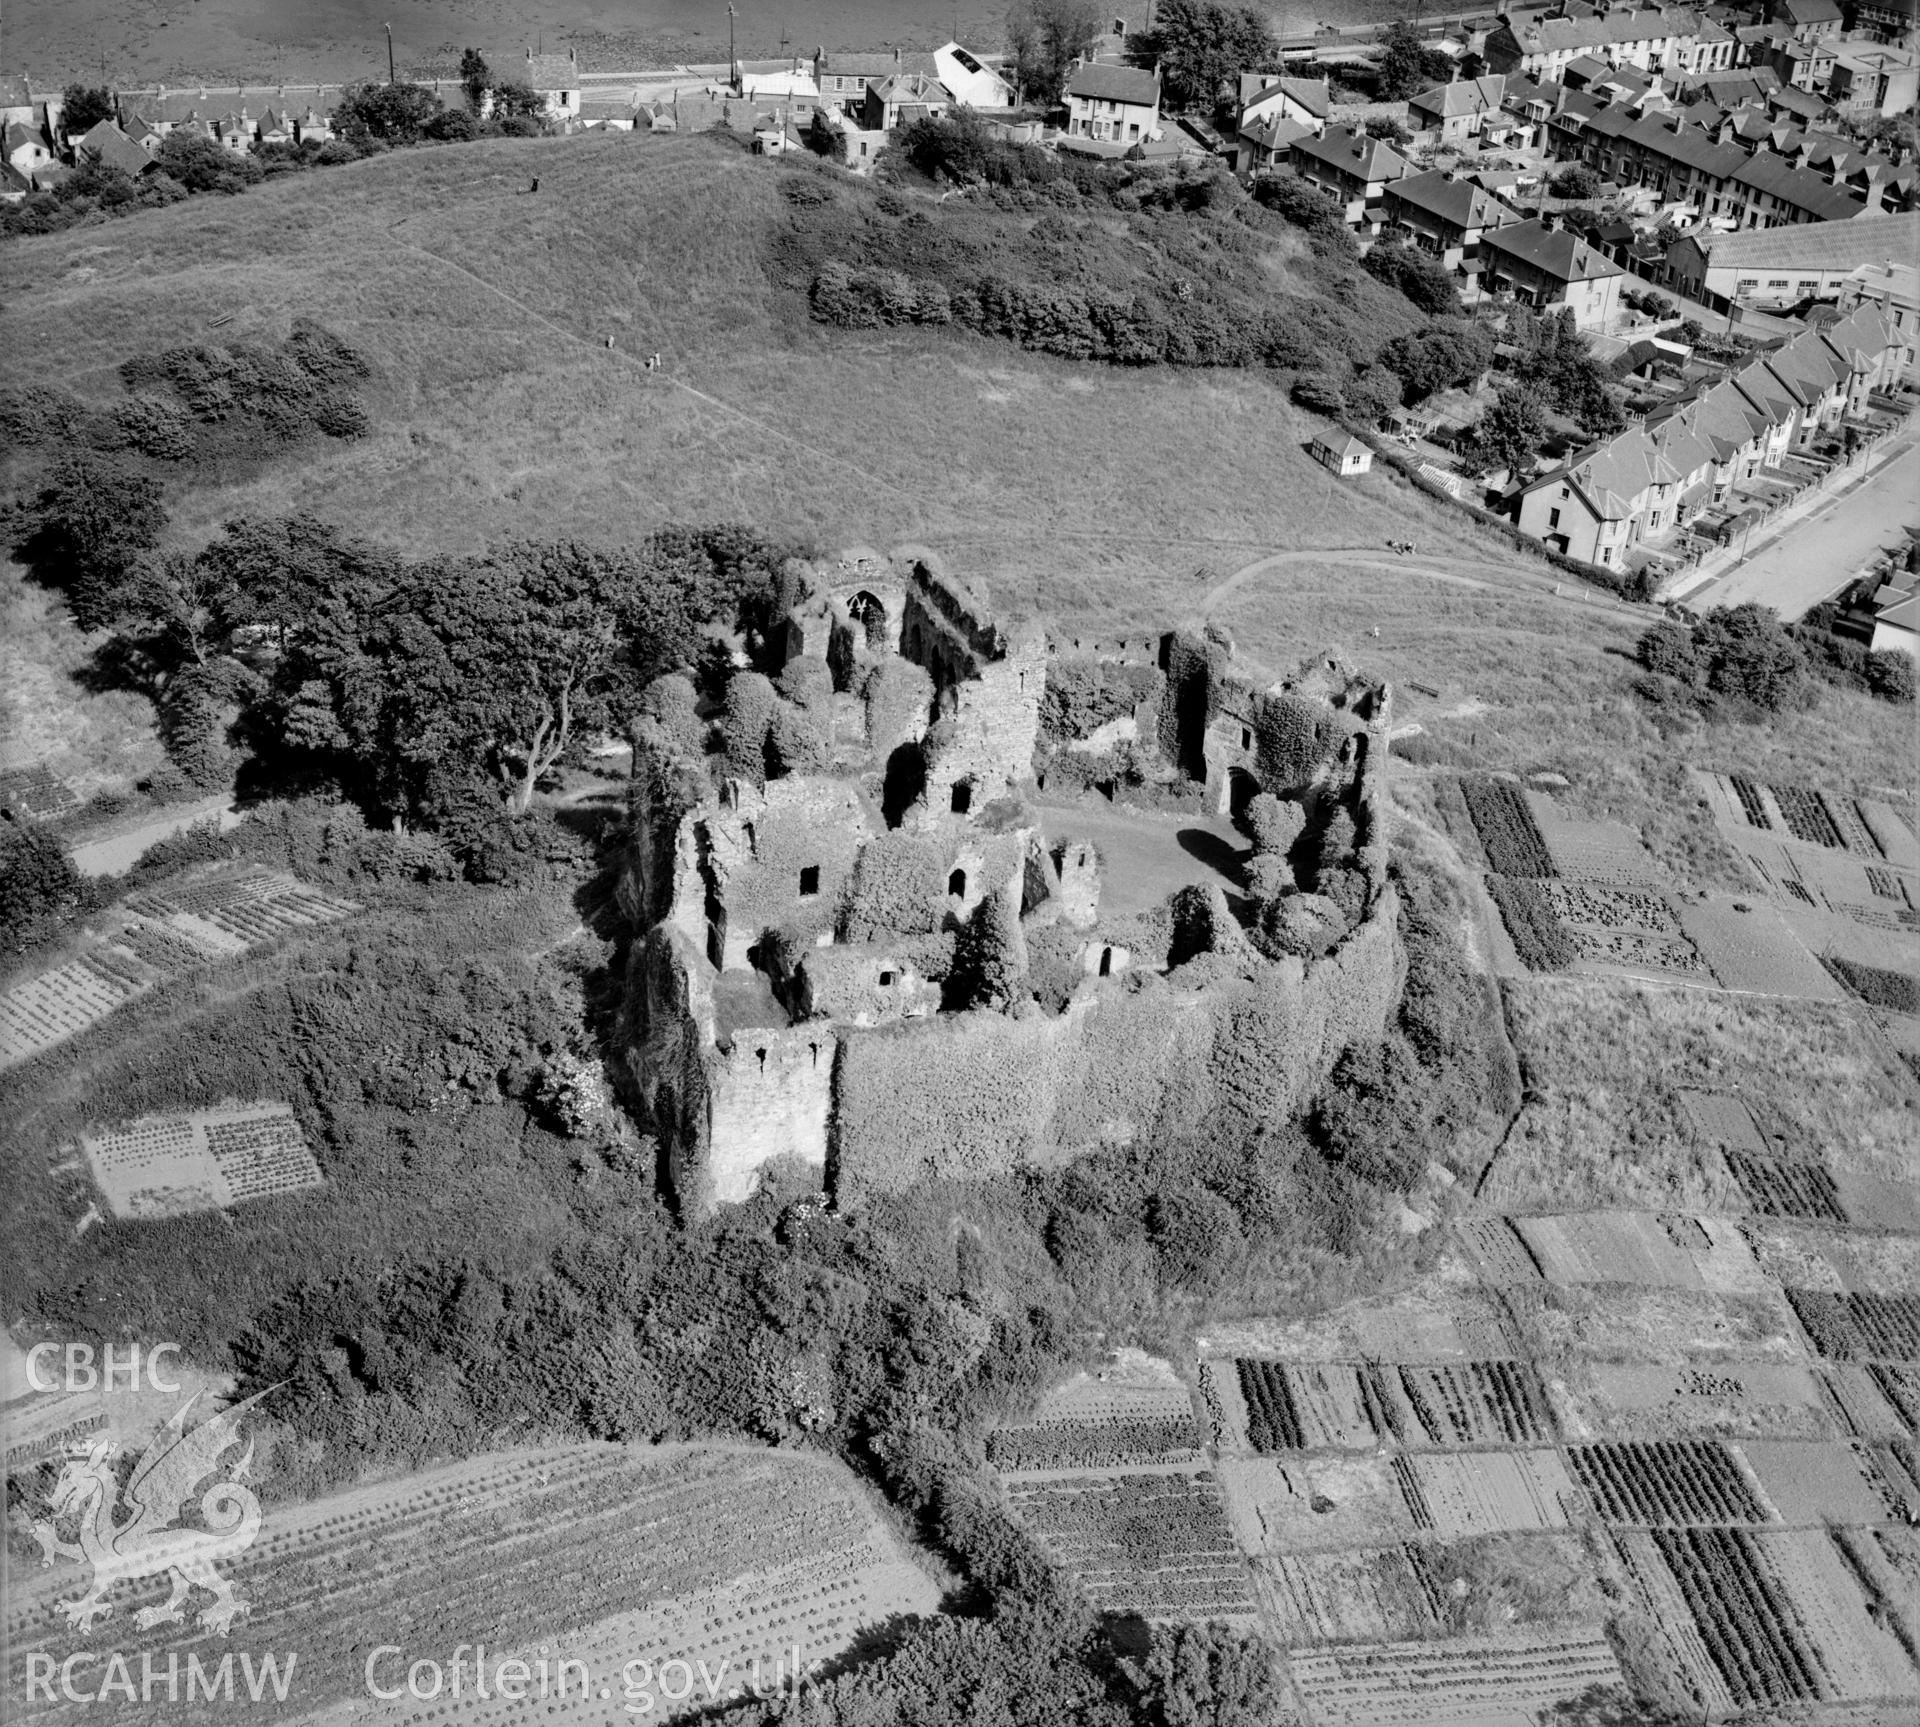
12, 181
1463, 96
910, 87
1560, 254
1355, 153
1801, 13
1311, 94
1275, 133
19, 135
1840, 245
1103, 83
1460, 202
553, 71
1799, 188
1801, 102
112, 148
1554, 35
870, 65
1609, 475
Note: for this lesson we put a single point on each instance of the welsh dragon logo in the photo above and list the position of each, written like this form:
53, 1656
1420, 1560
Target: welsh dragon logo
151, 1541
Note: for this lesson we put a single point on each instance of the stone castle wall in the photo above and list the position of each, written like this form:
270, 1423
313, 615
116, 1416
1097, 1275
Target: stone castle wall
982, 1093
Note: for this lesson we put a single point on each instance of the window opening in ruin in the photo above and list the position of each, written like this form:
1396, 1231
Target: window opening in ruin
871, 616
1246, 737
809, 881
962, 797
762, 1054
1106, 962
816, 1053
886, 980
957, 884
753, 844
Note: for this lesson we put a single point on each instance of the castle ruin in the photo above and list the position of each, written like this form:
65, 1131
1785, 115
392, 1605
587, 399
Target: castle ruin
897, 963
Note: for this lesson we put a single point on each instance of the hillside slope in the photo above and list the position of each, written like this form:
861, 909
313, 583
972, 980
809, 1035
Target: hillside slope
500, 410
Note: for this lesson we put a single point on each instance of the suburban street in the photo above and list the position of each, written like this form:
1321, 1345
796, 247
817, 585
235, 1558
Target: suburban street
1816, 555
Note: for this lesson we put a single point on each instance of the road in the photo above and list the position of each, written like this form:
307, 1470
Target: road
1818, 554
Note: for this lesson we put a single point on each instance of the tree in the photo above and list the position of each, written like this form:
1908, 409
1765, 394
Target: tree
389, 113
1667, 650
476, 78
1388, 129
452, 126
1446, 353
1576, 181
99, 517
988, 958
518, 102
1044, 38
1371, 395
1407, 65
512, 663
1418, 275
1890, 674
1509, 432
1321, 390
1748, 654
200, 165
39, 887
83, 107
1202, 46
1207, 1675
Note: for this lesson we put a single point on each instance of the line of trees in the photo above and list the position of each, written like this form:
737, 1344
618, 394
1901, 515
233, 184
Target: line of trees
436, 693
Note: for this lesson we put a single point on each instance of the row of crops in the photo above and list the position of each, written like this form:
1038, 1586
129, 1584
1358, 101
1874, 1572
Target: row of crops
1468, 1403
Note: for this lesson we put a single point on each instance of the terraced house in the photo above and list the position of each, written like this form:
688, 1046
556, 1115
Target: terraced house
1652, 38
1639, 486
842, 79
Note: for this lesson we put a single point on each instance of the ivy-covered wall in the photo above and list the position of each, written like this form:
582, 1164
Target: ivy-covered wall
781, 859
980, 1093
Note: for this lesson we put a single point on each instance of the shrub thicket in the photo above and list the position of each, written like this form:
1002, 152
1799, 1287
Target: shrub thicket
1082, 695
1897, 991
1184, 286
1538, 936
1392, 1107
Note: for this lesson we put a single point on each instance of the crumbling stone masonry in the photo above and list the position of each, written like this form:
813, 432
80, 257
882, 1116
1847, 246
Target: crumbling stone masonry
797, 988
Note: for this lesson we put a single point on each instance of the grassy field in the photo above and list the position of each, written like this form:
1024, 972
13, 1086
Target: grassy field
90, 738
503, 412
1604, 1060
